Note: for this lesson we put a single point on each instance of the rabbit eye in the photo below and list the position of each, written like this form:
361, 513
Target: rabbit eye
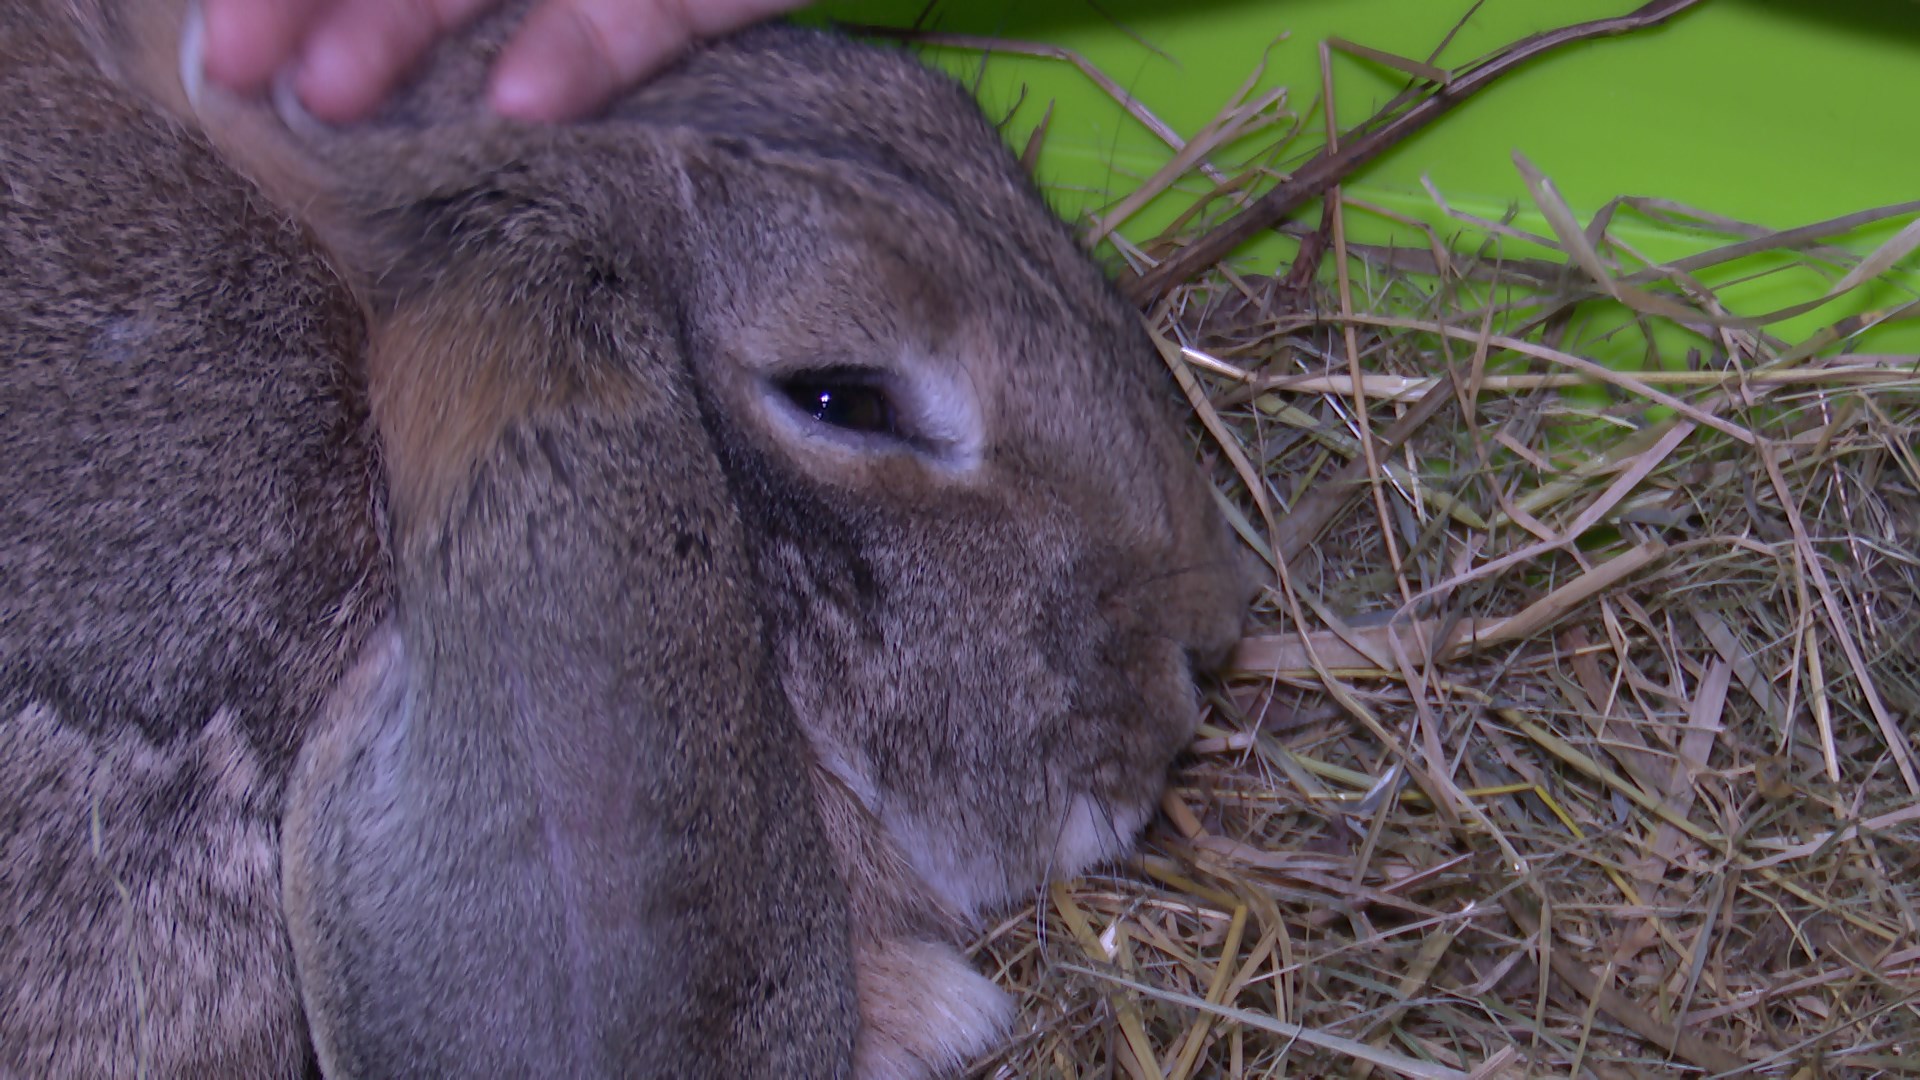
872, 409
845, 400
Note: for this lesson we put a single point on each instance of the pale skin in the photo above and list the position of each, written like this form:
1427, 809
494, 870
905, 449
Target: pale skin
570, 58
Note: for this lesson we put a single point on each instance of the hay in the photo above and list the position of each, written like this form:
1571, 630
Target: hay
1576, 735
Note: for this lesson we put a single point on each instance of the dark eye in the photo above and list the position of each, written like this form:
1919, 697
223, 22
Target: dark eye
848, 400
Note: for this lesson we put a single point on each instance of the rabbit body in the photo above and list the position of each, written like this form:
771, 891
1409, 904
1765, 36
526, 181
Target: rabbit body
190, 554
610, 600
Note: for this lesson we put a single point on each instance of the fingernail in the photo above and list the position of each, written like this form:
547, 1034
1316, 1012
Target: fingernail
529, 92
332, 81
230, 52
193, 54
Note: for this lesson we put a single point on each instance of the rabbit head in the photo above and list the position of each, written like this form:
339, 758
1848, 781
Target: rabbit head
986, 557
796, 559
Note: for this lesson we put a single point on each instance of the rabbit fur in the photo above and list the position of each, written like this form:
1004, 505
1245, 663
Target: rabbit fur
442, 630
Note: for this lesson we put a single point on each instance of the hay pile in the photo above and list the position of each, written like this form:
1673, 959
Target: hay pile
1577, 735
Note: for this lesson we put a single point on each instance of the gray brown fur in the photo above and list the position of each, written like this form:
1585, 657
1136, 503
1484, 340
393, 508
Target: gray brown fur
603, 722
171, 609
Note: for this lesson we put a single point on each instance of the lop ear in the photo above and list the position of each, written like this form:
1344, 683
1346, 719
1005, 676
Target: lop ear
558, 821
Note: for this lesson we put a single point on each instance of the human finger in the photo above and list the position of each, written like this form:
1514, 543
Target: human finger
572, 56
247, 41
360, 49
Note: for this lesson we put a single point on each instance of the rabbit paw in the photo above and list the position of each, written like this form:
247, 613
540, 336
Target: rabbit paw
923, 1011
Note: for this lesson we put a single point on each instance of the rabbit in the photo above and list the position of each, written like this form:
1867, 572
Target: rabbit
609, 600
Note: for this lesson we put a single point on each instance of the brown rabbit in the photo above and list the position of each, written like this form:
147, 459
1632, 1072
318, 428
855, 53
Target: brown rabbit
761, 547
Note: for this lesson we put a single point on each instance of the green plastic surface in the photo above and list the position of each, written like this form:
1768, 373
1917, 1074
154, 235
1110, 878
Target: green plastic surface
1777, 113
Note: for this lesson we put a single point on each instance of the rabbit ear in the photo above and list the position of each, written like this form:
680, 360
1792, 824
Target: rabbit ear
558, 822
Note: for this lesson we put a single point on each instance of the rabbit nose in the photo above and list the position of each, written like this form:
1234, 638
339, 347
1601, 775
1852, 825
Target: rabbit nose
1211, 657
1211, 626
1254, 573
1236, 585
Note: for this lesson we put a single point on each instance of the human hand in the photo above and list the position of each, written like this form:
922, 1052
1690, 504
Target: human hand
569, 59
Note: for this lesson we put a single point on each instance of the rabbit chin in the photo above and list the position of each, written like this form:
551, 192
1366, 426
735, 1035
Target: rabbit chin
971, 880
1092, 834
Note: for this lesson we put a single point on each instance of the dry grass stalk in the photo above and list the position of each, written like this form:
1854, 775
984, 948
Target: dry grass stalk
1577, 734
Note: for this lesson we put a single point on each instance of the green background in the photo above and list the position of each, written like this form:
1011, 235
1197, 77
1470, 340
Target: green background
1777, 113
